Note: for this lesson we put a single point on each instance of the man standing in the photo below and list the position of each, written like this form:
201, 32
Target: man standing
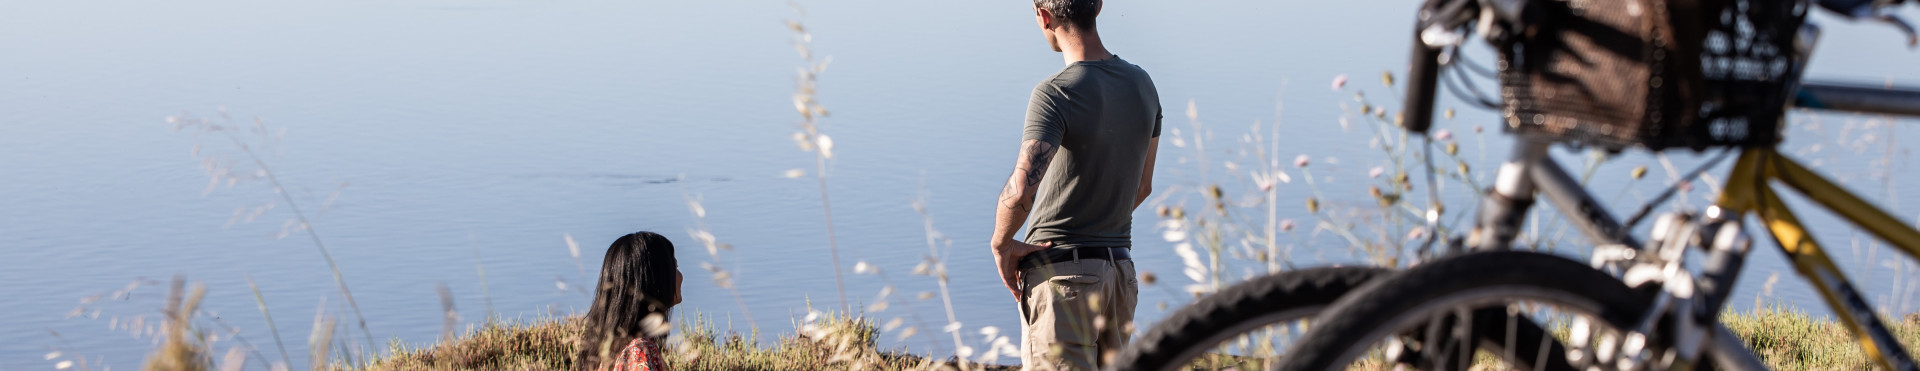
1086, 161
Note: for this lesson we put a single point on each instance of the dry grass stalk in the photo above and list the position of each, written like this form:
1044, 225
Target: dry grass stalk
223, 169
183, 348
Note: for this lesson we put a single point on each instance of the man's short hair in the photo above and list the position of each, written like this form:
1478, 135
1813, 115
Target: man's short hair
1078, 13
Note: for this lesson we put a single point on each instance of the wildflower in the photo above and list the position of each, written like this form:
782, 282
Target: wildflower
989, 333
1375, 172
1174, 235
826, 146
1339, 82
1301, 161
1443, 134
1286, 225
1149, 278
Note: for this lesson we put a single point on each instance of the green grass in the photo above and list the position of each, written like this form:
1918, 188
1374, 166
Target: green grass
1791, 340
1785, 339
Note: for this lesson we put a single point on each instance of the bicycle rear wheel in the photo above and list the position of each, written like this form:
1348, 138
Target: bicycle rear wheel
1412, 318
1202, 335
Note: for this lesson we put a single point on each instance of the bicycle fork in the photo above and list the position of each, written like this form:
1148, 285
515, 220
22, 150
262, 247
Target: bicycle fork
1686, 312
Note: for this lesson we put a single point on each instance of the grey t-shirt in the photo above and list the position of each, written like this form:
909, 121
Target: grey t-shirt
1101, 115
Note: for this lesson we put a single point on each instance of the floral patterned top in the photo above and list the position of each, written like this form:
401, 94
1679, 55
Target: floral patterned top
642, 354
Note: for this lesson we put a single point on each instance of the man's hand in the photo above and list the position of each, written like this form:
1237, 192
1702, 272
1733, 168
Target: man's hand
1007, 255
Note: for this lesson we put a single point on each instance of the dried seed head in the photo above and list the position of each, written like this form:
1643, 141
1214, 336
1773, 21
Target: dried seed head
655, 325
1313, 206
1387, 78
1639, 171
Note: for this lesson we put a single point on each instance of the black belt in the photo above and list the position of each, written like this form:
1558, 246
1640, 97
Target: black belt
1062, 255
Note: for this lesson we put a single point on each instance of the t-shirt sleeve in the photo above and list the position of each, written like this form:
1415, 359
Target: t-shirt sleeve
1157, 115
1046, 115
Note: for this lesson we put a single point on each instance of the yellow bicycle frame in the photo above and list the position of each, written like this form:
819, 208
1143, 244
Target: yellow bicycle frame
1748, 190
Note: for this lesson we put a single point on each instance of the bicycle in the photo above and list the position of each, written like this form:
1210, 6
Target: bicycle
1629, 286
1633, 305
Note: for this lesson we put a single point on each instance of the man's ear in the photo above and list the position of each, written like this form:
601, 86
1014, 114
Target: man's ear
1046, 18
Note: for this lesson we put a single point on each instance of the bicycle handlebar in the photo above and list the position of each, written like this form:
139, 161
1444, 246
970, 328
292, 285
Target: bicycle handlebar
1858, 98
1423, 74
1423, 78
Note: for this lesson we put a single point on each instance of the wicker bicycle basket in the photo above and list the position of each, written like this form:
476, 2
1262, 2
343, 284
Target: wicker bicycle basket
1655, 74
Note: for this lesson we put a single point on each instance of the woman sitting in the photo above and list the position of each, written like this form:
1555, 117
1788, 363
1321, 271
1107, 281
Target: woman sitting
639, 283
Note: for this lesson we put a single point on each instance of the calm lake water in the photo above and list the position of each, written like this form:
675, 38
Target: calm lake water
469, 136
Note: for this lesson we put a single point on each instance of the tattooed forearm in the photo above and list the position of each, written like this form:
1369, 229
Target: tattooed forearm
1010, 195
1030, 168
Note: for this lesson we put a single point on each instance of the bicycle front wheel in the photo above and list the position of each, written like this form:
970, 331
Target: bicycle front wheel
1416, 318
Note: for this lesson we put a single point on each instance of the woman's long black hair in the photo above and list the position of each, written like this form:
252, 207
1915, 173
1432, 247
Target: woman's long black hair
637, 279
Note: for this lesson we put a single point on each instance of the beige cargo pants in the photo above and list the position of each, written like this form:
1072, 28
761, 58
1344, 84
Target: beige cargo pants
1078, 313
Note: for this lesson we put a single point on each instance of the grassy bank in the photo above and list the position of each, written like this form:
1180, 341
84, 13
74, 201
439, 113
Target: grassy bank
1791, 340
1785, 339
547, 344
